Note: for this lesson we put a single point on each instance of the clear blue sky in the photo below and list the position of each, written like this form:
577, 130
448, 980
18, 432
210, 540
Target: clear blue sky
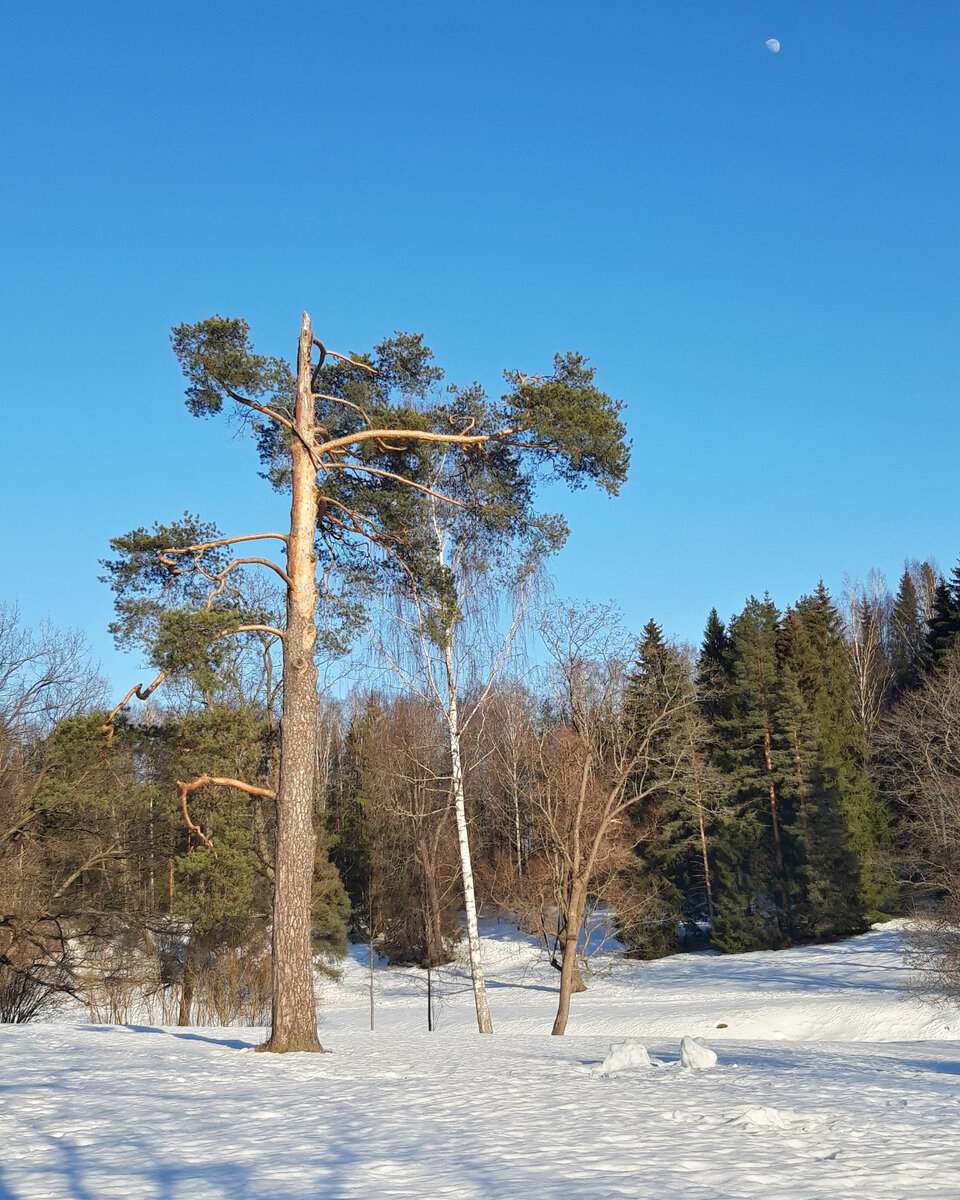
759, 252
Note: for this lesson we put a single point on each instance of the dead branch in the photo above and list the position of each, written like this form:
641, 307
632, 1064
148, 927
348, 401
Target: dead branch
185, 788
268, 412
343, 358
261, 408
346, 403
141, 693
414, 435
420, 487
169, 554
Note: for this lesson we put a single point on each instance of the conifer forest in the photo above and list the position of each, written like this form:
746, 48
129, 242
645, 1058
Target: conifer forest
473, 743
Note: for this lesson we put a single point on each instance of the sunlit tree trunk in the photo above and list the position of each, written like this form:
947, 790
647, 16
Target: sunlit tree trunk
484, 1024
570, 978
294, 1022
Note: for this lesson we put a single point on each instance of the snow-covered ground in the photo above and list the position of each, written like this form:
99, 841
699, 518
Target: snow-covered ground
830, 1083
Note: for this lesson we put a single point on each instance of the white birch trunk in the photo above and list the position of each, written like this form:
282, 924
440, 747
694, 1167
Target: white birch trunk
484, 1024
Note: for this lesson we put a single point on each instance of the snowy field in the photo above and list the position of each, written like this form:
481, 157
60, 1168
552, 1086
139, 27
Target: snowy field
830, 1083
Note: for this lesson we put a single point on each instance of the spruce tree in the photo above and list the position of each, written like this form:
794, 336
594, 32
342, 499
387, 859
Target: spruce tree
712, 666
751, 896
909, 651
658, 675
683, 810
835, 822
945, 619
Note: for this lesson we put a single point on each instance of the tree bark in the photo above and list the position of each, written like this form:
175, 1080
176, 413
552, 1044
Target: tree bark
186, 990
569, 971
706, 861
294, 1019
783, 915
484, 1023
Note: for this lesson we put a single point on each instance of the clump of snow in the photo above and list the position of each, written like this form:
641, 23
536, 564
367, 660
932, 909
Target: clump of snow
760, 1117
696, 1054
623, 1055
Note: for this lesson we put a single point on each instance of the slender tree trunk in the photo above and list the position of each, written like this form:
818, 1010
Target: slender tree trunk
371, 978
706, 860
772, 793
701, 824
433, 926
784, 914
294, 1023
187, 986
569, 971
516, 821
801, 793
484, 1024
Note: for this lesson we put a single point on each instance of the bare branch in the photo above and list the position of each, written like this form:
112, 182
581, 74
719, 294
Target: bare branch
343, 358
261, 408
255, 629
346, 403
412, 435
420, 487
199, 547
141, 693
185, 788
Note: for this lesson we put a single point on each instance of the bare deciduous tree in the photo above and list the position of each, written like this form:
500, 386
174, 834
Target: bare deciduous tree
867, 619
919, 765
45, 676
599, 767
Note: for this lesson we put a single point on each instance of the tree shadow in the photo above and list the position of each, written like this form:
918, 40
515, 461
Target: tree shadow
228, 1043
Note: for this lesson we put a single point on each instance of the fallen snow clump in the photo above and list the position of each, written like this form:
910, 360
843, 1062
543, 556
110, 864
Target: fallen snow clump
625, 1054
696, 1054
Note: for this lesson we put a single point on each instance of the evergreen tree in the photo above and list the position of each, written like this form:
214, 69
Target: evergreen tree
659, 674
909, 649
835, 823
346, 817
682, 811
752, 897
712, 665
945, 619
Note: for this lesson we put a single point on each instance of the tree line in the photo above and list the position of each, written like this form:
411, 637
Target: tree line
212, 845
759, 790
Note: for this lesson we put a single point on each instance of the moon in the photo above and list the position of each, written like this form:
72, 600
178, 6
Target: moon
772, 45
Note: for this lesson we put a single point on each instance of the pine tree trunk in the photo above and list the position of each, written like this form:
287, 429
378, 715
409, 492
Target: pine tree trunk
294, 1023
484, 1024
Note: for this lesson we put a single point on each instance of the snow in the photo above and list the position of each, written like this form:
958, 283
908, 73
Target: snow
696, 1054
624, 1055
831, 1083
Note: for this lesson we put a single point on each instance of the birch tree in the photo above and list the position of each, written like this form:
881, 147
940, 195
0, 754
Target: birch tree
438, 622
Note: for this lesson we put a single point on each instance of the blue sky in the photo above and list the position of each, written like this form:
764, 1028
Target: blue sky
759, 253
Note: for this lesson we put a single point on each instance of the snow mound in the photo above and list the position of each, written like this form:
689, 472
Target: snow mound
696, 1054
623, 1055
760, 1117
